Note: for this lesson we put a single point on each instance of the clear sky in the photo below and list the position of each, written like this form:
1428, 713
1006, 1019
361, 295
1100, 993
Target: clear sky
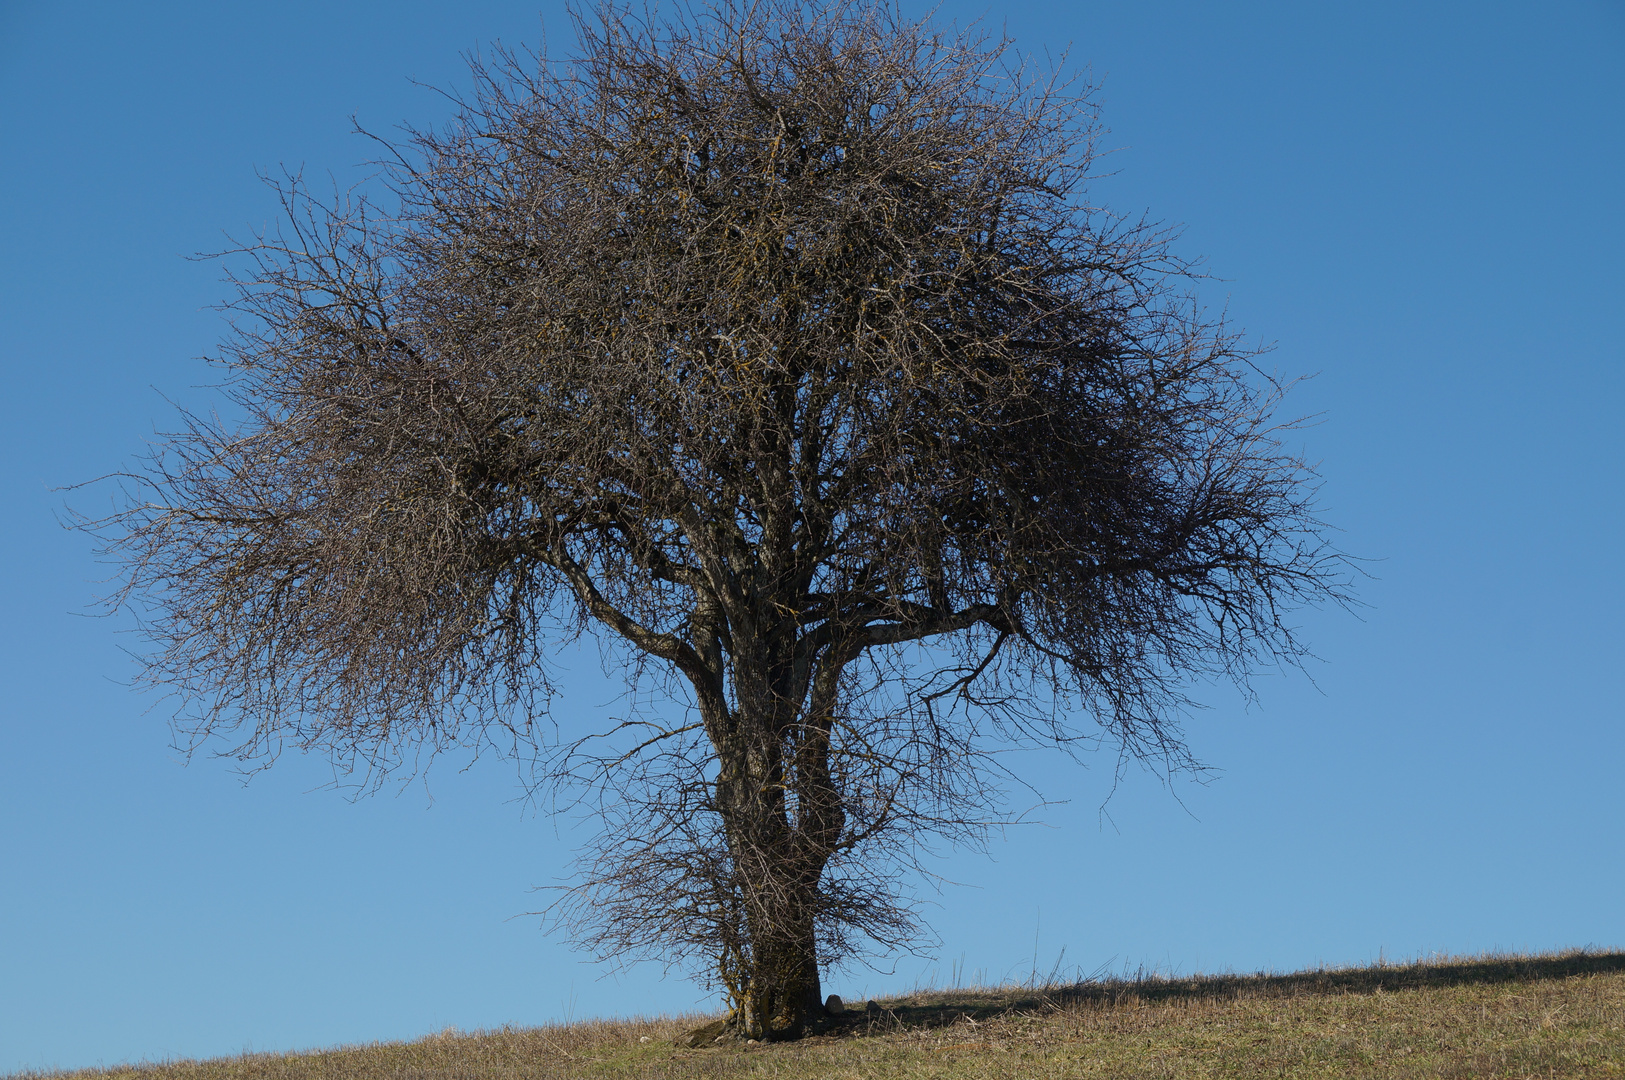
1418, 203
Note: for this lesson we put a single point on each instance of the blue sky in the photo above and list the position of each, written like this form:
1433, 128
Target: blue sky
1417, 203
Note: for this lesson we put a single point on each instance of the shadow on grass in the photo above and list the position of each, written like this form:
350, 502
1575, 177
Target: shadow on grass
936, 1008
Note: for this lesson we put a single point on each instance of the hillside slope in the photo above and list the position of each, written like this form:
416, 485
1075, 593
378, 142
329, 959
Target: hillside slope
1508, 1016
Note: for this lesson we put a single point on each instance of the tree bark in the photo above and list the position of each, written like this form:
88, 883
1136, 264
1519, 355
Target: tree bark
783, 997
778, 807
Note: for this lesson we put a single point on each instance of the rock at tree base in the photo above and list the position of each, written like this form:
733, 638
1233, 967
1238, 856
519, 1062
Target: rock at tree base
702, 1036
834, 1006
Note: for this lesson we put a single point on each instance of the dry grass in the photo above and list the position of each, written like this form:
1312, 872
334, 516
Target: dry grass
1559, 1015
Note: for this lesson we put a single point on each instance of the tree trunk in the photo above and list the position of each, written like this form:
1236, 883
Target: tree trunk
777, 992
783, 997
776, 989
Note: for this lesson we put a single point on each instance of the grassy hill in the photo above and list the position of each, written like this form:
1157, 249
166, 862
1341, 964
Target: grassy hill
1557, 1015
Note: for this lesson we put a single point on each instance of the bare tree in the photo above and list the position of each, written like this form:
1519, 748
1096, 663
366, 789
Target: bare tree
779, 345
